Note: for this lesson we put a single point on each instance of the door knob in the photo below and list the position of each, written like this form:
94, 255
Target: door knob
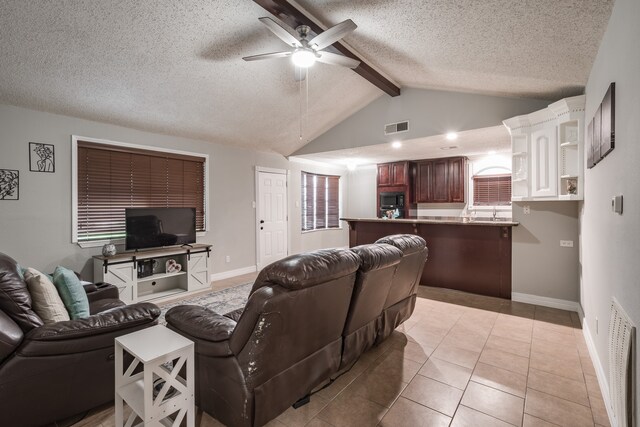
261, 228
262, 221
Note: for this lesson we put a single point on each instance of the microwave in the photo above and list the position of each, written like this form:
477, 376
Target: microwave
392, 200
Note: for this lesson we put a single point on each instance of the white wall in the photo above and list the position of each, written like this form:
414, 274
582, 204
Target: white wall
540, 266
430, 112
361, 200
610, 246
36, 230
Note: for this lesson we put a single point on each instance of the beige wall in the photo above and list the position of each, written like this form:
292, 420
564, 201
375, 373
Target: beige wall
610, 246
36, 230
540, 266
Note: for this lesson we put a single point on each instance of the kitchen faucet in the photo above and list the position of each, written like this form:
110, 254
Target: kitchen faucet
494, 213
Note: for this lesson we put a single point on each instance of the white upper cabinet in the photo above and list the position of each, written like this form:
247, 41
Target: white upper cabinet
547, 150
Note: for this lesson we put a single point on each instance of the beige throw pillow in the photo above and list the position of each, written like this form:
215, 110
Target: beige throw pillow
46, 301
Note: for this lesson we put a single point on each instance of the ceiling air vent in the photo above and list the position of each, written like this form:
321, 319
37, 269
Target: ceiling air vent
396, 128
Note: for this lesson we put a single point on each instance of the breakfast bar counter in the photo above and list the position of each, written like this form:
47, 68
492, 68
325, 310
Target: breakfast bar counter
465, 254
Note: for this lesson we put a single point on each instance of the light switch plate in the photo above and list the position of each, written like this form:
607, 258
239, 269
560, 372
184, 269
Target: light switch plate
616, 204
566, 243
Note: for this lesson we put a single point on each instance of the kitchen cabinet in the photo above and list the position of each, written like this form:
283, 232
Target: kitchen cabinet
441, 180
548, 151
393, 174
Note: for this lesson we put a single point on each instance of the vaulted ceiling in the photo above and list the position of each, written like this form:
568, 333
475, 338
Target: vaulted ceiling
175, 67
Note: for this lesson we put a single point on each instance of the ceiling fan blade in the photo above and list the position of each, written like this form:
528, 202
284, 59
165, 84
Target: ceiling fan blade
299, 74
287, 35
333, 34
335, 59
267, 56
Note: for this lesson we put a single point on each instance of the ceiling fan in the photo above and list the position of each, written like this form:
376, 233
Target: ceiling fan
304, 52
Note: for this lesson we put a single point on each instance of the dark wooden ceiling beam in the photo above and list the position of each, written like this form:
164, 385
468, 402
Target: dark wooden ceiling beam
293, 17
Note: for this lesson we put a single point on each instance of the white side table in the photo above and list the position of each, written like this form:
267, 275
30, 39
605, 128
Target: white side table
154, 347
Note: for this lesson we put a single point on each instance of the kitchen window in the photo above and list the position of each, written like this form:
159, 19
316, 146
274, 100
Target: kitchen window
320, 201
110, 177
492, 190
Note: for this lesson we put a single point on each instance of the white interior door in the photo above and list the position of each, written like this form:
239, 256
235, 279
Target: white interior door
272, 218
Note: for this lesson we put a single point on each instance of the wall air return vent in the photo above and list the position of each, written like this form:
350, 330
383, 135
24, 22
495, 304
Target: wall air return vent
392, 128
621, 366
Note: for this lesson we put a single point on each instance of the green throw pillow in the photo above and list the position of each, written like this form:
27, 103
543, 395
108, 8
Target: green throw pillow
72, 293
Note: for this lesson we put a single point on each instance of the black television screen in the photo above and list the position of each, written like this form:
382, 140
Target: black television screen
156, 227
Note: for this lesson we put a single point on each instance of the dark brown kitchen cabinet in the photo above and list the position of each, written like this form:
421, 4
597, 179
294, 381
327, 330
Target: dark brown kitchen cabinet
457, 175
393, 173
440, 180
424, 189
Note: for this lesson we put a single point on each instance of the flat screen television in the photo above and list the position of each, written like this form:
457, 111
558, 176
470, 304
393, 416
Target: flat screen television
157, 227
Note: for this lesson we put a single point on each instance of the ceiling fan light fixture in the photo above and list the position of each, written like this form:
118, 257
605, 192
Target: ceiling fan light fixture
303, 58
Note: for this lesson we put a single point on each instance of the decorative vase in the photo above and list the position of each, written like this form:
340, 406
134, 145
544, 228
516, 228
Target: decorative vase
109, 249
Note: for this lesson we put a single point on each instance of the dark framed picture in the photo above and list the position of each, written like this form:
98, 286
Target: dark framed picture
589, 145
9, 184
41, 157
607, 140
595, 142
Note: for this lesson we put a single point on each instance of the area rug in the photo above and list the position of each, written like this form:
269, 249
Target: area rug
221, 302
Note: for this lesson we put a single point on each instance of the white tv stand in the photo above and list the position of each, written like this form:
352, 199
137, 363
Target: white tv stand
121, 270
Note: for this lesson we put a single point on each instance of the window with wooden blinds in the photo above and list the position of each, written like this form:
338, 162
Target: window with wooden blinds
112, 178
320, 201
492, 190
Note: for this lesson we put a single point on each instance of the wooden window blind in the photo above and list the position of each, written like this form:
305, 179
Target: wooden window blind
320, 201
112, 178
492, 190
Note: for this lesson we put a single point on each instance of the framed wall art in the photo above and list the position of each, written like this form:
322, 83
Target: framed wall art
9, 184
41, 157
607, 140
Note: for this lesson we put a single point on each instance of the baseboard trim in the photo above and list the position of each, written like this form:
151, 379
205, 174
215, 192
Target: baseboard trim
233, 273
597, 364
547, 302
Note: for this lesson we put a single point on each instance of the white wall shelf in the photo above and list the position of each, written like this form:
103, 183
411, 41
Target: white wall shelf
548, 152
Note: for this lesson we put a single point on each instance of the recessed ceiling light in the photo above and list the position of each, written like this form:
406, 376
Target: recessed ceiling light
451, 136
351, 166
451, 147
396, 144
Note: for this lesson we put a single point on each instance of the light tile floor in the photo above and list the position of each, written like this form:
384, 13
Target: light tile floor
460, 360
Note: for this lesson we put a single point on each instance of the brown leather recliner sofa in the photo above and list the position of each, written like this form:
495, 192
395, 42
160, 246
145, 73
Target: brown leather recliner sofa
55, 371
401, 300
308, 317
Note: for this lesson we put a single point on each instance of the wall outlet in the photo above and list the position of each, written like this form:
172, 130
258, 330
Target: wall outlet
227, 258
566, 243
526, 210
253, 205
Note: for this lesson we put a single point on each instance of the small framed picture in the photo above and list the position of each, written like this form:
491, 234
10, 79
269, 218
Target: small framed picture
9, 184
41, 157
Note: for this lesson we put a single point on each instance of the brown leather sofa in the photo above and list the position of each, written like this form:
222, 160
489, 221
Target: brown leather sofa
378, 266
401, 300
308, 317
55, 371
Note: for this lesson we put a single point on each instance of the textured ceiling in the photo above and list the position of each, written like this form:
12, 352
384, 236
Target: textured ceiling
175, 67
470, 143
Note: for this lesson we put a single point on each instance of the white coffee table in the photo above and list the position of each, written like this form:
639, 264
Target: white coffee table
153, 348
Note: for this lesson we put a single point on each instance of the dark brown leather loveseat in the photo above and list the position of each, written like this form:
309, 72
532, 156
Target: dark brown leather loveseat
308, 317
55, 371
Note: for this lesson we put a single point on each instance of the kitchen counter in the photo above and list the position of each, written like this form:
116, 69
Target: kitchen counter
467, 255
452, 220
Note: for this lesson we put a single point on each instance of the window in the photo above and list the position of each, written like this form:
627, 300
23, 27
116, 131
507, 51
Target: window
111, 178
492, 190
320, 201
